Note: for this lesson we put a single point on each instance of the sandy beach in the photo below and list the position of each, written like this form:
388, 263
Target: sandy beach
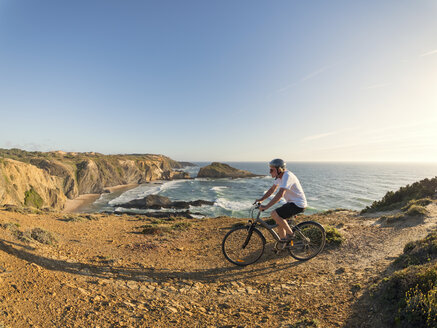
74, 205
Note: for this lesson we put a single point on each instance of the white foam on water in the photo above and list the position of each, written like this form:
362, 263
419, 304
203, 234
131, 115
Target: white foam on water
139, 192
218, 188
170, 185
232, 205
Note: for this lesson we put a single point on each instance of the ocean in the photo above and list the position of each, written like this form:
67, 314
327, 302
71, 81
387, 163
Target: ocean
327, 186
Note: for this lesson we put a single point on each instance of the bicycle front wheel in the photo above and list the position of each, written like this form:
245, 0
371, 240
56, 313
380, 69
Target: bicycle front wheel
243, 245
309, 240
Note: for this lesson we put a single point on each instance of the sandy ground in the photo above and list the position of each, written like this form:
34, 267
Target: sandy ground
104, 272
74, 205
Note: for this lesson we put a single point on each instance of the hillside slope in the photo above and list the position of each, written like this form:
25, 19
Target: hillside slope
104, 272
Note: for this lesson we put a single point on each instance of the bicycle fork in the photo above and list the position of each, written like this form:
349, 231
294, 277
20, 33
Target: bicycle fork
249, 235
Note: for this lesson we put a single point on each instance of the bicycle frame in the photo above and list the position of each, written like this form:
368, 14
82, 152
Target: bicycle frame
270, 228
264, 224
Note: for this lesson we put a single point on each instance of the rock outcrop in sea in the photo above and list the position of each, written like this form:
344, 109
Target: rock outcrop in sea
41, 179
221, 170
158, 202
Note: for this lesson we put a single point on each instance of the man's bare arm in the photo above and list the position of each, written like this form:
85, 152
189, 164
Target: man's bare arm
275, 199
267, 194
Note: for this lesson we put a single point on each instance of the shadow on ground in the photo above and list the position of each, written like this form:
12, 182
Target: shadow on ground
138, 273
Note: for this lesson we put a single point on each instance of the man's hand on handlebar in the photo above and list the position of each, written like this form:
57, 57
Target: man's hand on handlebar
262, 208
259, 206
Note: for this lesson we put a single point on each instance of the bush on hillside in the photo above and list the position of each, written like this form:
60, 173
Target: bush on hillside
420, 308
43, 236
408, 297
416, 210
333, 236
399, 293
419, 202
419, 251
395, 200
33, 199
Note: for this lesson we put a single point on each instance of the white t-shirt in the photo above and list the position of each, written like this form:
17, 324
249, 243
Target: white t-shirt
293, 190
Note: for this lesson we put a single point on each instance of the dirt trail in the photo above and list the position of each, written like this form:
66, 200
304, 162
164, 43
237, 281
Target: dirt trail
104, 273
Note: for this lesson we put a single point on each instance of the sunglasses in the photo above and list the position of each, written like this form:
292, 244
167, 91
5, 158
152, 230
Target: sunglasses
272, 170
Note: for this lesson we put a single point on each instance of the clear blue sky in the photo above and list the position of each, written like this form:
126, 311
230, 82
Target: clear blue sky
221, 80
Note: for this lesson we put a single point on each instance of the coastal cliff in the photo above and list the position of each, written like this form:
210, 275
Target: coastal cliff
28, 185
56, 176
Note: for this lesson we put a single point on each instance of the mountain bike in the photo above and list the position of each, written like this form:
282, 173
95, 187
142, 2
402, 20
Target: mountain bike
244, 245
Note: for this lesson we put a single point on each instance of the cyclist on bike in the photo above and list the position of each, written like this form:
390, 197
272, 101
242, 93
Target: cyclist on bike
291, 190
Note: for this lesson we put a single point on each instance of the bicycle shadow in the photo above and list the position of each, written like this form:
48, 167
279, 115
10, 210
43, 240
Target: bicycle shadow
141, 274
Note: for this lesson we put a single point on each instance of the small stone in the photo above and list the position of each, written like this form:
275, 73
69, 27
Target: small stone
132, 284
172, 309
82, 291
202, 309
340, 270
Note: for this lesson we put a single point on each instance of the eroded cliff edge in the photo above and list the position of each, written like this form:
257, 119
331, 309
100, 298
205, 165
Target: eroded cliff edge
42, 179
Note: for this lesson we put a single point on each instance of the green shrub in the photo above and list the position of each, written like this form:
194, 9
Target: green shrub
155, 230
417, 210
80, 217
333, 236
38, 234
392, 218
10, 226
407, 291
181, 226
420, 308
43, 236
305, 323
419, 252
394, 200
328, 212
32, 198
420, 202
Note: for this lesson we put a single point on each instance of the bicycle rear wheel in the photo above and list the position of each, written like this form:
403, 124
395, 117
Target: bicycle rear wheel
309, 240
243, 245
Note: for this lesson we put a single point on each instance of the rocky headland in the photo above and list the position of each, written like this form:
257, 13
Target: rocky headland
221, 170
48, 179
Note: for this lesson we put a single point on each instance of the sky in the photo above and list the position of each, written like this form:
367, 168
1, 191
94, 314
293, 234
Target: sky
221, 80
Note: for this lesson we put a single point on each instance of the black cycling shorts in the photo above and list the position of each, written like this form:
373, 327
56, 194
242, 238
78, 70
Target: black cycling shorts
288, 210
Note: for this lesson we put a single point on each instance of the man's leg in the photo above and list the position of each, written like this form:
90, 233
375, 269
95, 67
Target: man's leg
283, 227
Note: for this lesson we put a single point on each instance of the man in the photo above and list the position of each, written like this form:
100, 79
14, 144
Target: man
289, 188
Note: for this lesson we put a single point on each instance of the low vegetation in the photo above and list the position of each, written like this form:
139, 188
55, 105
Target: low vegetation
418, 191
409, 296
25, 210
43, 236
36, 234
33, 199
333, 236
164, 227
306, 323
419, 252
414, 208
79, 217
